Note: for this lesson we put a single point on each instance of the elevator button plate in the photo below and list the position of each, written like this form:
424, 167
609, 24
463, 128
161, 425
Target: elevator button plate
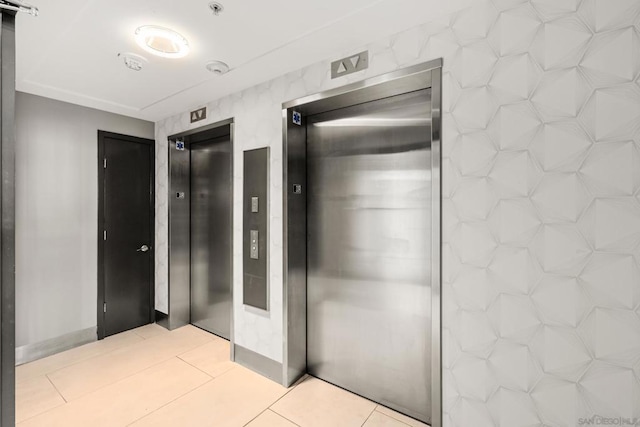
254, 244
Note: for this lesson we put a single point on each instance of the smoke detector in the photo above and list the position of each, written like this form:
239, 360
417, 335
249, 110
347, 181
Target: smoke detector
132, 61
217, 67
216, 7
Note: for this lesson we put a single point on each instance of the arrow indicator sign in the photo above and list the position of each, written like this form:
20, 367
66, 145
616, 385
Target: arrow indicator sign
199, 114
350, 64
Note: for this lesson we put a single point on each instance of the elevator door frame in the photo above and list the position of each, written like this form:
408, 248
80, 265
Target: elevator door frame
179, 239
423, 76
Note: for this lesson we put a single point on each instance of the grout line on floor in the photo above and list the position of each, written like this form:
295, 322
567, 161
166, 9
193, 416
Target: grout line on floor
254, 418
225, 372
47, 410
195, 348
152, 336
81, 360
171, 401
295, 385
280, 415
277, 400
137, 334
50, 409
194, 366
390, 415
374, 410
121, 379
134, 373
301, 380
56, 389
215, 340
24, 420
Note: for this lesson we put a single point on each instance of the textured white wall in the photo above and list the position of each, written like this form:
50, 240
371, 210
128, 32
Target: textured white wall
57, 214
541, 146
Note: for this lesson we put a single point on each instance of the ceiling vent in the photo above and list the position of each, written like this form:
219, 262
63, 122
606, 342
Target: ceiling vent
217, 67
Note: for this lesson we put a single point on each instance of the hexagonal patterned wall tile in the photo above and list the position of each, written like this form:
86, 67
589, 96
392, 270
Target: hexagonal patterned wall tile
541, 209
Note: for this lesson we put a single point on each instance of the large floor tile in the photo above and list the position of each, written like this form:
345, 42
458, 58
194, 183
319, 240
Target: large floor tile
34, 396
201, 331
381, 420
212, 358
67, 358
149, 331
92, 374
270, 419
125, 401
231, 400
315, 403
400, 417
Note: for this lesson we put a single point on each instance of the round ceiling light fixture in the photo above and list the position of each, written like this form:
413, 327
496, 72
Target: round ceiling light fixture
162, 41
217, 67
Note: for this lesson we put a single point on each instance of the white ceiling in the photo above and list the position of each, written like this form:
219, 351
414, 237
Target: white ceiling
69, 52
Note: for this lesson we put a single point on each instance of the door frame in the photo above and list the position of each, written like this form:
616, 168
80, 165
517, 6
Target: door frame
294, 245
179, 263
102, 136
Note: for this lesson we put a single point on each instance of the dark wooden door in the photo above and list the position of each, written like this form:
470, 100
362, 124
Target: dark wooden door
126, 235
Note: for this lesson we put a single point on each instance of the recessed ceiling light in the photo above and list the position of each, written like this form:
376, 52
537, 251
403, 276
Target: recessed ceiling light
162, 42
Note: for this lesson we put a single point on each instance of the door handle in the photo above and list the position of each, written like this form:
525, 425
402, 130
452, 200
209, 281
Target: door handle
143, 248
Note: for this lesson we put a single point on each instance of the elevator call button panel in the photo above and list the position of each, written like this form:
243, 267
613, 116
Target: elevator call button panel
255, 251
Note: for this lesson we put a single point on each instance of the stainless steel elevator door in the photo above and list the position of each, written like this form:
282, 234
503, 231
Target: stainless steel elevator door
211, 202
369, 249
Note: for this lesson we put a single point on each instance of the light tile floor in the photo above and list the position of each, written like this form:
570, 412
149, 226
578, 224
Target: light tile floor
152, 377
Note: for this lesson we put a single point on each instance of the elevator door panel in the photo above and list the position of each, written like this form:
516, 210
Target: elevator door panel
211, 235
369, 250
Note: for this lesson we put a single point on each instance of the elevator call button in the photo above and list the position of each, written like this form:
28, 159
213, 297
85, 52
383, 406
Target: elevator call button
253, 253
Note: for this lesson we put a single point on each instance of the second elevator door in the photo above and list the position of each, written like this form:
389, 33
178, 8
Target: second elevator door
369, 250
211, 201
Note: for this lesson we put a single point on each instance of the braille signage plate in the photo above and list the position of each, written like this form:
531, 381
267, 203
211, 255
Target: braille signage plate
199, 114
